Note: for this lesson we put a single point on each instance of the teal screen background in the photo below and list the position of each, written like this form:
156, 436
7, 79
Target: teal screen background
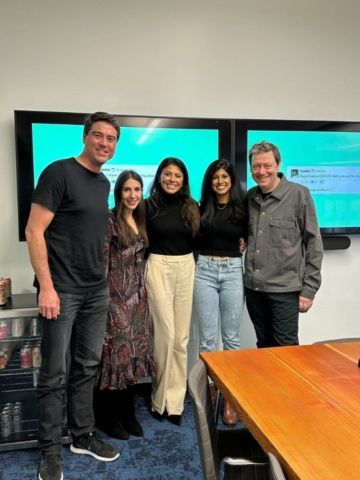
328, 163
141, 149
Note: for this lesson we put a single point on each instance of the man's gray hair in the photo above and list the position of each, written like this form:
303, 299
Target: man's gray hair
265, 147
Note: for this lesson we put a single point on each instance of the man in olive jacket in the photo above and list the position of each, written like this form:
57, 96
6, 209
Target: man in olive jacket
285, 250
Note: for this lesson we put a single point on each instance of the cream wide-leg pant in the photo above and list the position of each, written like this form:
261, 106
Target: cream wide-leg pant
170, 283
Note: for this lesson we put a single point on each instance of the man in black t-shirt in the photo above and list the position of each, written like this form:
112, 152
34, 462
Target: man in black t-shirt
65, 235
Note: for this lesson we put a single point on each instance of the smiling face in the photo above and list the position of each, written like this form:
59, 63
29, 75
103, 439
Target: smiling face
221, 185
171, 179
99, 145
131, 194
264, 171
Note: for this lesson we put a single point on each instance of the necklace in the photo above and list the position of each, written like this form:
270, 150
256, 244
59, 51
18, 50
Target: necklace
221, 208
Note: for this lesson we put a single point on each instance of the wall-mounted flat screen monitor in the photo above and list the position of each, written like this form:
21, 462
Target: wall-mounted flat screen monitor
43, 137
323, 156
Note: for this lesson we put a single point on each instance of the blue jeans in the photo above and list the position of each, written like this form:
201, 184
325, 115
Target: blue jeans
219, 288
80, 325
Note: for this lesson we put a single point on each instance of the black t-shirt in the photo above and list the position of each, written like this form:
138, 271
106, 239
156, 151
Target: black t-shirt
166, 231
78, 198
222, 238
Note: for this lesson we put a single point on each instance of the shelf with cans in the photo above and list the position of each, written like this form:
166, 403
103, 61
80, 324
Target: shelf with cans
20, 360
20, 340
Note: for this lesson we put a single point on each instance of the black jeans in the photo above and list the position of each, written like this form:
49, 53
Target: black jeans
275, 317
80, 325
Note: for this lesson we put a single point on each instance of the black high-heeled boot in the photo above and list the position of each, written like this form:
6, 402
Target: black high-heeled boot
175, 419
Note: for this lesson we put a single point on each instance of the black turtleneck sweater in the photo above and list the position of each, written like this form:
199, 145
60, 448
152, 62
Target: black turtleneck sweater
166, 231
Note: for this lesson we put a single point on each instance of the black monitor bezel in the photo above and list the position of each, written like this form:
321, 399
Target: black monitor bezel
24, 146
241, 147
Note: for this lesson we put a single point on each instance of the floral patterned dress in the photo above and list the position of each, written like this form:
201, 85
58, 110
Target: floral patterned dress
127, 353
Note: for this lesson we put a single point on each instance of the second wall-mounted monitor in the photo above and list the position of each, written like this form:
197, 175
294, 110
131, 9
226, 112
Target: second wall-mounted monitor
43, 137
323, 156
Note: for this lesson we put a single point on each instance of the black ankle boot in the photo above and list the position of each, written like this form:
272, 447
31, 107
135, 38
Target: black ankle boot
133, 427
127, 414
106, 412
117, 430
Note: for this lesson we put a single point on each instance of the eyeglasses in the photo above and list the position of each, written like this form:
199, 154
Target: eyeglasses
267, 166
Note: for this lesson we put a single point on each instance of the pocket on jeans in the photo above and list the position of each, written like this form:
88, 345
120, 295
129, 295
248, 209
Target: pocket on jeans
200, 264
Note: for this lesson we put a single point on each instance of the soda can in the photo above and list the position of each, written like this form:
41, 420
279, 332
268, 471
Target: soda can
34, 327
25, 357
3, 297
7, 281
6, 353
17, 418
9, 410
8, 405
2, 360
18, 404
3, 329
36, 376
17, 327
5, 423
36, 356
9, 328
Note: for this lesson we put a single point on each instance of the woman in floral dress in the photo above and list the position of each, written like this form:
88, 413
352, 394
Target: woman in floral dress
127, 352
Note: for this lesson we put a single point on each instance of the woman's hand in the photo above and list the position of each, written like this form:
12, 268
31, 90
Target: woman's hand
242, 245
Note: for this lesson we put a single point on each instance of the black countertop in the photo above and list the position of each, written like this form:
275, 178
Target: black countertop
21, 300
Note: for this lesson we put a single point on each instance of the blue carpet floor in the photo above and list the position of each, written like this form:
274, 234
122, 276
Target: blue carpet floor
166, 452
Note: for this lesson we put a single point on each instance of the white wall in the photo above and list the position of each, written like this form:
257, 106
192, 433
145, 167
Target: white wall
285, 59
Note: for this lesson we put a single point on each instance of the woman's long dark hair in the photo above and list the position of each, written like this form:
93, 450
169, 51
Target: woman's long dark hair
126, 234
189, 209
235, 210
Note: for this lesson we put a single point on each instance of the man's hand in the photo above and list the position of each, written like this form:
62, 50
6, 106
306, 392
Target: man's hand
304, 304
49, 304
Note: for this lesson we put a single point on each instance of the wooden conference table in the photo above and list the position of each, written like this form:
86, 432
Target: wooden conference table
301, 403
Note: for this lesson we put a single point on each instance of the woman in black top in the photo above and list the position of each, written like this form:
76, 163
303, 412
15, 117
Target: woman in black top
172, 221
219, 271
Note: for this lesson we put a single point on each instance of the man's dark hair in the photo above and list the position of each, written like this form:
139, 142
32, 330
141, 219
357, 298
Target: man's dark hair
101, 117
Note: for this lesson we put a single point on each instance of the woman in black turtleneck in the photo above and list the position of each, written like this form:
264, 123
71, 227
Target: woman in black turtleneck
172, 221
219, 271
